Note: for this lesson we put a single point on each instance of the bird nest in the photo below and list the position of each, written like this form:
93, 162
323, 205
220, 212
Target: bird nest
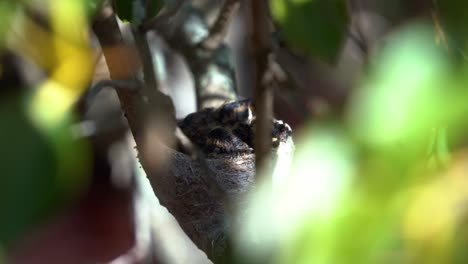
201, 201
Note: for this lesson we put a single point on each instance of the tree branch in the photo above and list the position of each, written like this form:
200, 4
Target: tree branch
263, 100
130, 85
108, 33
220, 28
213, 70
145, 109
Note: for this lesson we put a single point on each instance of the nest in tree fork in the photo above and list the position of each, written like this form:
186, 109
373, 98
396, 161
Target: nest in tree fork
200, 211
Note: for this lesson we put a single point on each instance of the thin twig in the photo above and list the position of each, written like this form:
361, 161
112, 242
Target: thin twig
130, 85
310, 78
220, 28
355, 7
151, 83
185, 143
135, 105
161, 109
204, 63
263, 91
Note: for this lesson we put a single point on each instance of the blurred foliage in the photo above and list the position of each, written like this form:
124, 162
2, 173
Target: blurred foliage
408, 97
385, 186
317, 27
92, 6
40, 171
73, 54
401, 96
43, 164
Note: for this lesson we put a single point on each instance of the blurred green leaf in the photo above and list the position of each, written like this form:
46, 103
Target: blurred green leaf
405, 94
362, 230
131, 10
8, 11
439, 153
40, 172
360, 216
92, 6
316, 27
311, 195
27, 167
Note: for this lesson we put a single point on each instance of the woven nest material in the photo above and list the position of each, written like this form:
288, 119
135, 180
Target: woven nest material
199, 210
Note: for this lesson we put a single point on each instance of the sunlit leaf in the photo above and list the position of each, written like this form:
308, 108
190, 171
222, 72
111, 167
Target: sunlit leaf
9, 11
436, 213
316, 27
72, 69
64, 52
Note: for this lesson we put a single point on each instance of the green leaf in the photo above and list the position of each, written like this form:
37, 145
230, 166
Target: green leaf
453, 20
316, 27
40, 171
131, 10
124, 9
